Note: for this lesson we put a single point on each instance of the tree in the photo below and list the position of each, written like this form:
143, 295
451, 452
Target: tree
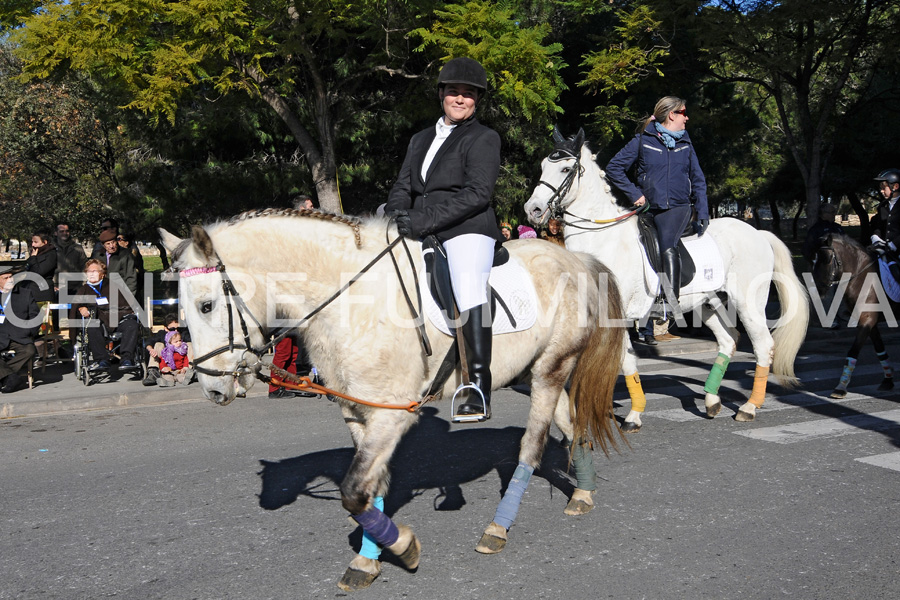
815, 61
327, 69
58, 154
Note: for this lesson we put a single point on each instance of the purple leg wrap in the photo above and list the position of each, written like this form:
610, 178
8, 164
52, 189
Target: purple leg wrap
379, 526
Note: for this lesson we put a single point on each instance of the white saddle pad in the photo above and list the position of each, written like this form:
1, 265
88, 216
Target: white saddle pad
512, 282
709, 269
891, 287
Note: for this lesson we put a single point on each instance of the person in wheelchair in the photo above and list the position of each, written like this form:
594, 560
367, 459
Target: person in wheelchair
109, 312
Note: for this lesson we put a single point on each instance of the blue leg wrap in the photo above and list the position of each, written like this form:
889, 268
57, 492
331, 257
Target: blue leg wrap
379, 526
509, 504
369, 548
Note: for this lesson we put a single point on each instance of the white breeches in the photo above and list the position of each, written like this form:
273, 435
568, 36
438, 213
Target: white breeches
470, 257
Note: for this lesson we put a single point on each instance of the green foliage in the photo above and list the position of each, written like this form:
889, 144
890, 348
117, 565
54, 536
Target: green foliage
523, 73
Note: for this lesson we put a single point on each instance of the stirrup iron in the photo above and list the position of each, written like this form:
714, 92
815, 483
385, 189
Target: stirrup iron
468, 418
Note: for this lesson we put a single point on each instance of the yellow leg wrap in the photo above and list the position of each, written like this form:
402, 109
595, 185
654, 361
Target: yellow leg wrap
636, 392
760, 379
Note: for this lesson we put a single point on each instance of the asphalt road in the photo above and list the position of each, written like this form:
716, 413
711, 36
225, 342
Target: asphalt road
197, 501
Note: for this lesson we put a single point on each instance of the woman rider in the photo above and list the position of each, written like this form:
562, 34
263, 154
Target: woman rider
444, 189
669, 178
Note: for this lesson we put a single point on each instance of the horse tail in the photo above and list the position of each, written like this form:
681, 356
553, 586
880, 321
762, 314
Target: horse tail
595, 374
790, 329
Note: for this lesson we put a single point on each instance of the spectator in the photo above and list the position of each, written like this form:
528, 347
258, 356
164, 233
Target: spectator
128, 244
506, 231
526, 232
156, 342
116, 260
17, 308
174, 363
70, 259
303, 202
97, 296
42, 263
107, 225
292, 357
554, 233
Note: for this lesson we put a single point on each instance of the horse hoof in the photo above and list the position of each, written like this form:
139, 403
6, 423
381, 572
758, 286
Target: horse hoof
360, 574
744, 416
629, 427
580, 503
886, 384
839, 393
493, 540
354, 580
409, 557
714, 409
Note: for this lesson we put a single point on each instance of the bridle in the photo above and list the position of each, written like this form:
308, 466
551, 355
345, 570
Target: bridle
555, 203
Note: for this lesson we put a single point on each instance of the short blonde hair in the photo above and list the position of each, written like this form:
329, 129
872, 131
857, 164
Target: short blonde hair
98, 262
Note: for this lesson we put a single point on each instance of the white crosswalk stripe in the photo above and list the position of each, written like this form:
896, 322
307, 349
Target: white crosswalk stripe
818, 373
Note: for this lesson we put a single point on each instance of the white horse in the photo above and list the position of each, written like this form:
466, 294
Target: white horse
574, 189
366, 346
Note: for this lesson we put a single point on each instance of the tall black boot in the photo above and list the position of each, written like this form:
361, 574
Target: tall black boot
477, 334
671, 263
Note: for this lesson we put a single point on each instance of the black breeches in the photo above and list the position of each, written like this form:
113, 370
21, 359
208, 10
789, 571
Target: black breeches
670, 224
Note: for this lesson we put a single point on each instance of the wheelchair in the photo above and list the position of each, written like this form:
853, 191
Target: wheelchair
82, 354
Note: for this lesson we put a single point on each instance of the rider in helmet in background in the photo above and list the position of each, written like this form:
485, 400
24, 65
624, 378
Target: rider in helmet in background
444, 189
886, 222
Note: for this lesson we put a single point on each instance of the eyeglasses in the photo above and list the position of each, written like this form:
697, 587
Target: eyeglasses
174, 328
682, 112
120, 239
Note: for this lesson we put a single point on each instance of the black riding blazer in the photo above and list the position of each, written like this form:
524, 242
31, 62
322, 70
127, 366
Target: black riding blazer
886, 222
455, 197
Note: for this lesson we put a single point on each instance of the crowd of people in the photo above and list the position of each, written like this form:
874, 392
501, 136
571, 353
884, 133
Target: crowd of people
59, 273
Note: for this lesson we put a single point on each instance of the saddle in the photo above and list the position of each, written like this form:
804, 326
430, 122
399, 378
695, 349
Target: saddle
437, 273
650, 241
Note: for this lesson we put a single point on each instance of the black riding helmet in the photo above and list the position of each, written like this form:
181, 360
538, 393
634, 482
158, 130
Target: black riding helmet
891, 176
464, 70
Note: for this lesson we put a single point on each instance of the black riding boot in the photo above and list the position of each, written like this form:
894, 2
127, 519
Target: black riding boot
476, 330
671, 263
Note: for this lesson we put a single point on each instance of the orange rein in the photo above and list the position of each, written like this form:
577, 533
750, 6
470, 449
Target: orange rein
305, 384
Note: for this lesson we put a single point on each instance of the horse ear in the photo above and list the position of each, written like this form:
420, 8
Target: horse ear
169, 241
829, 239
558, 137
579, 138
202, 242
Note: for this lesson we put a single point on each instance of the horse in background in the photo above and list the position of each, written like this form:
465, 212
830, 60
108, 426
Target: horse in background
366, 347
573, 189
844, 262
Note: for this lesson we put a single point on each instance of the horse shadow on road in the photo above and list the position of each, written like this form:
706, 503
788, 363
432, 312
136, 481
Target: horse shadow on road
430, 457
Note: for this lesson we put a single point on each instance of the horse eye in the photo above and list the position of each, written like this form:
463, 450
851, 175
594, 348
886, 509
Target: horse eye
566, 169
206, 307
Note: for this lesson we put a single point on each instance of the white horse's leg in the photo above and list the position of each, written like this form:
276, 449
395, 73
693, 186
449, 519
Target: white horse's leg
582, 500
632, 422
726, 341
546, 384
376, 434
754, 321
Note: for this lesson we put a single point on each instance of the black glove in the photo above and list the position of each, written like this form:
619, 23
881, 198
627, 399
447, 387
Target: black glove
404, 223
700, 226
878, 248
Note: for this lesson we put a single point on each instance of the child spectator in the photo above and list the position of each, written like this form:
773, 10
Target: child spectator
174, 365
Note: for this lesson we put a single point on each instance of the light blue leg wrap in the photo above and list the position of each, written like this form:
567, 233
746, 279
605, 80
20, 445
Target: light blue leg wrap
369, 548
509, 504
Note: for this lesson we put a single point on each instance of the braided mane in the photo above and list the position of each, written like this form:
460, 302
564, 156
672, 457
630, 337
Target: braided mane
313, 213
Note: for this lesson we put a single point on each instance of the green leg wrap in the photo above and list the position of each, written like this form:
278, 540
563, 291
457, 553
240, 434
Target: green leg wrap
583, 463
716, 374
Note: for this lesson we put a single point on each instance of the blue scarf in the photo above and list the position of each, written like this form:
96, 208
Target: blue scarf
668, 137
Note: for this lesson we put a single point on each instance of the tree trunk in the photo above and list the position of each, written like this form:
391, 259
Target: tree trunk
795, 227
865, 228
776, 216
